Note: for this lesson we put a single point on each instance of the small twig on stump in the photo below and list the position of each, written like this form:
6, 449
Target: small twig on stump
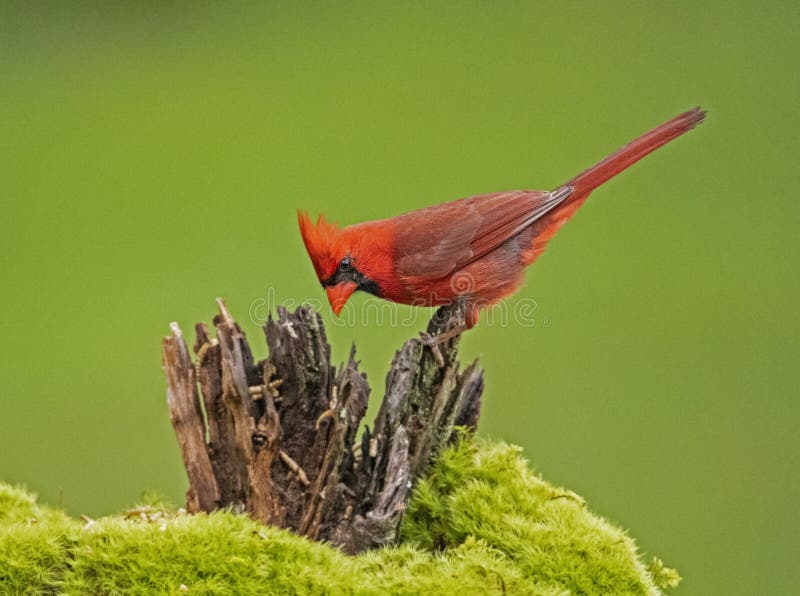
277, 438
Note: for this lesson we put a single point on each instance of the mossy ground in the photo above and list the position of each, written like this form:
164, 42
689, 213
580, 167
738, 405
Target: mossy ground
481, 522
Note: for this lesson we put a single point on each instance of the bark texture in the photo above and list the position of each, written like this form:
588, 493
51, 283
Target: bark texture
278, 438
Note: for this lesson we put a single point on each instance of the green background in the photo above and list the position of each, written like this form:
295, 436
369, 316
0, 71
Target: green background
152, 158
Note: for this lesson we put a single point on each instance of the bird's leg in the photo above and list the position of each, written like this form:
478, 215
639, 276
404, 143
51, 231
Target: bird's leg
465, 317
426, 339
433, 341
429, 340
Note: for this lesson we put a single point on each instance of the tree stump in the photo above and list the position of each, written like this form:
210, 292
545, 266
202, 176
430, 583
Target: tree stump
278, 438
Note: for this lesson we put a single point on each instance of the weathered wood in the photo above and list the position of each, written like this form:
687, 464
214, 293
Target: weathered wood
470, 387
279, 437
330, 497
300, 357
187, 420
415, 421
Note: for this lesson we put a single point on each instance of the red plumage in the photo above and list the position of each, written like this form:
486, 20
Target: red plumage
475, 249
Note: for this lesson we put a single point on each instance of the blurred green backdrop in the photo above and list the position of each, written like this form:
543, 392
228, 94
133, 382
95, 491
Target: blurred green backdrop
152, 158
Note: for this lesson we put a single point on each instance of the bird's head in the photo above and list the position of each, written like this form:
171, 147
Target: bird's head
337, 258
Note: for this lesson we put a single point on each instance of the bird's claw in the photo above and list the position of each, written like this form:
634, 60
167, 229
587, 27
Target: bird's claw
428, 340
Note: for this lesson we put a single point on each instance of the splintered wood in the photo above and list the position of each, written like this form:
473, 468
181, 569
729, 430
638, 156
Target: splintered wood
278, 438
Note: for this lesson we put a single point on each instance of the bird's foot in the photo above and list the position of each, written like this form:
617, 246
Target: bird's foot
426, 339
432, 342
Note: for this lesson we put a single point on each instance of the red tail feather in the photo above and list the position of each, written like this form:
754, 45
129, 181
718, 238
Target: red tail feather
587, 181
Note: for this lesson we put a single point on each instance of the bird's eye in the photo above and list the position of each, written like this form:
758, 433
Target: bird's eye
345, 264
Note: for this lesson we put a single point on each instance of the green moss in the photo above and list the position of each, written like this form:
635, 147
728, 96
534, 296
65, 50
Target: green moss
480, 523
486, 491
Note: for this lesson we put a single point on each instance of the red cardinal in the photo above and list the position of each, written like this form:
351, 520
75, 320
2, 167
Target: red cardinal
473, 249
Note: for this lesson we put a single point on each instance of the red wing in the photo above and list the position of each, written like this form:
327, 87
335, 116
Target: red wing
433, 242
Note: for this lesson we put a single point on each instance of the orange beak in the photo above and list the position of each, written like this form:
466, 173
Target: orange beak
339, 294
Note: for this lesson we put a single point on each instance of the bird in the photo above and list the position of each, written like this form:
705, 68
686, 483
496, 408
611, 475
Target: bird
473, 250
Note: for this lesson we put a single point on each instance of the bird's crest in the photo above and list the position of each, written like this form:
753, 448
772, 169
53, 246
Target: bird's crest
320, 240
